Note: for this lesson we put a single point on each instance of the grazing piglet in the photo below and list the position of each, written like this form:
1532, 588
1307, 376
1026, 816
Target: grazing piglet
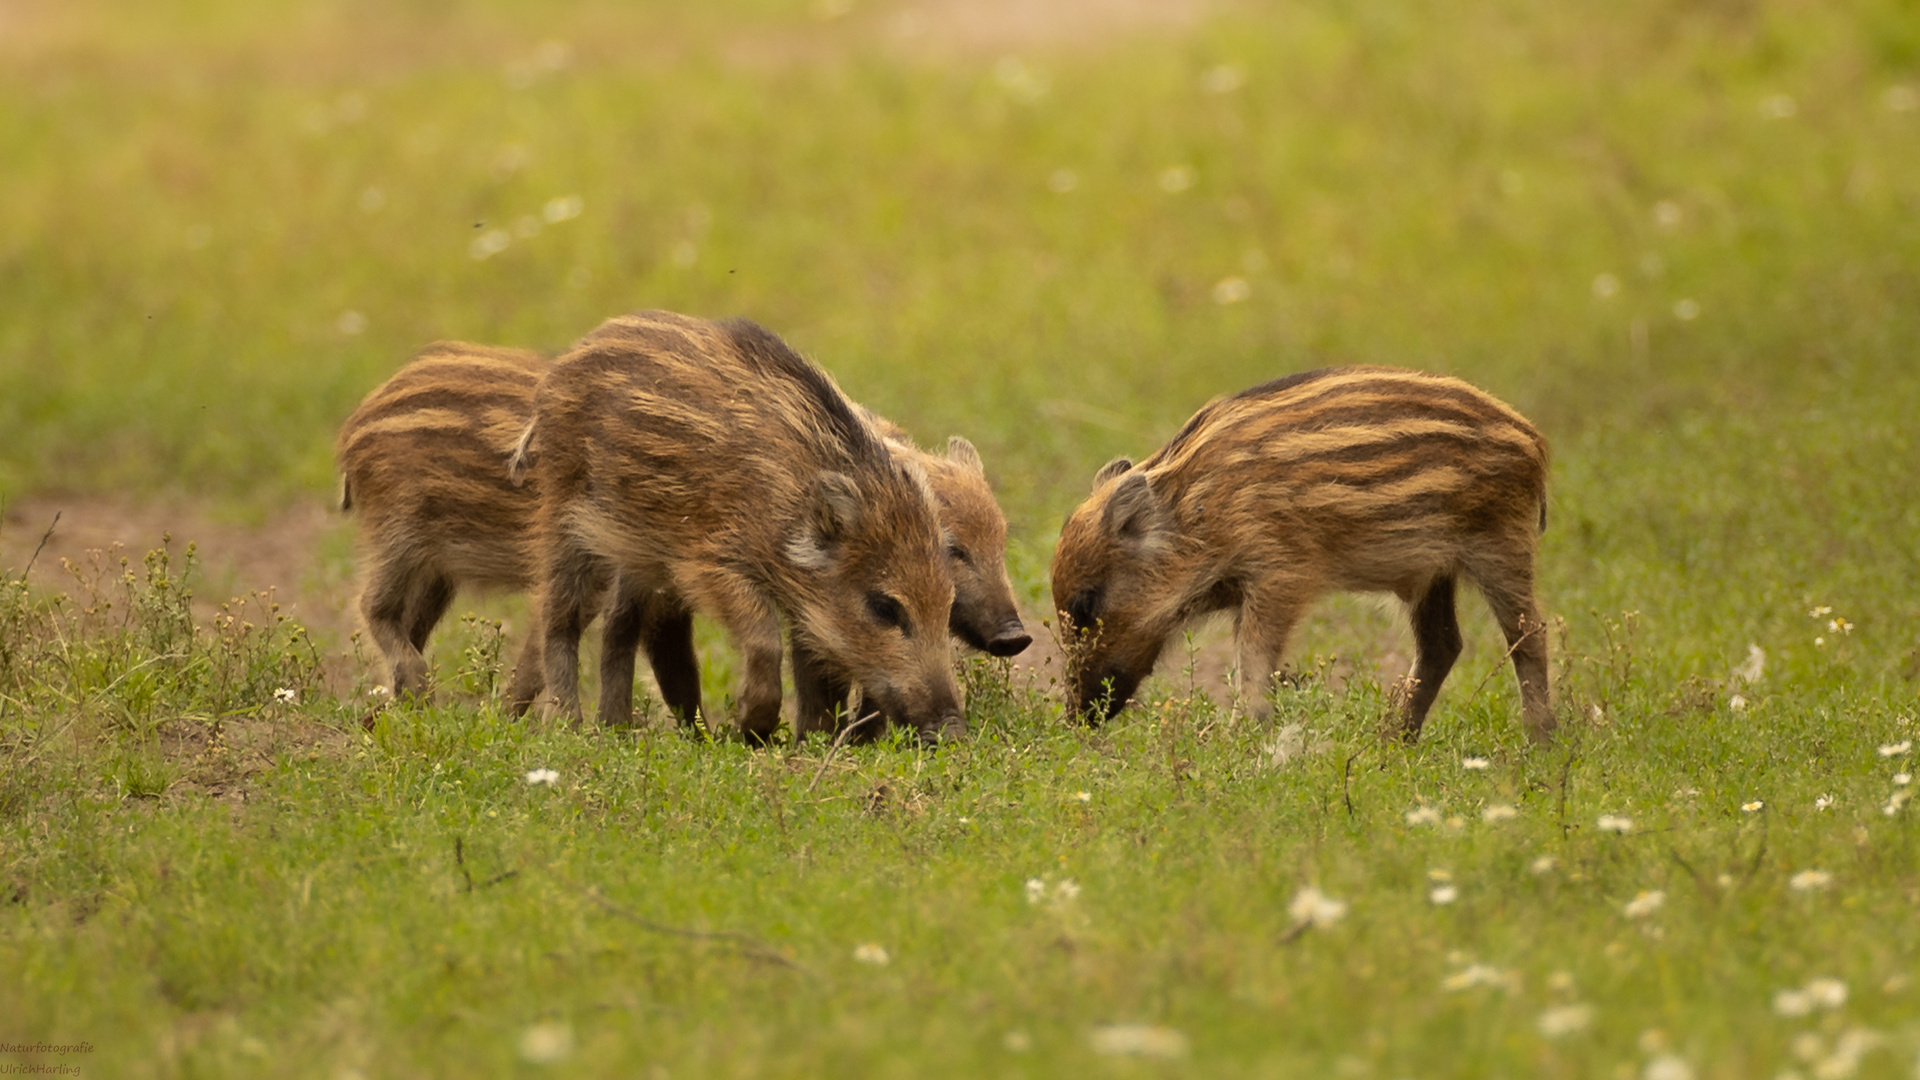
709, 467
423, 464
984, 615
1360, 478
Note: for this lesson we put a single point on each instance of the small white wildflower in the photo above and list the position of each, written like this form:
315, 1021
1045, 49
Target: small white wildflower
287, 695
1543, 865
1666, 214
1810, 880
1738, 703
544, 1044
1755, 668
1896, 749
1823, 802
489, 243
1474, 764
1686, 793
1231, 290
1820, 643
1839, 626
1499, 812
1442, 895
1895, 801
1082, 796
1668, 1067
1423, 815
1036, 890
872, 953
542, 776
562, 208
1312, 907
1819, 612
1792, 1003
1901, 779
1753, 807
1646, 903
1472, 976
1138, 1040
1066, 890
1564, 1020
1605, 286
1827, 993
1177, 178
1686, 310
1223, 78
1017, 1042
1615, 824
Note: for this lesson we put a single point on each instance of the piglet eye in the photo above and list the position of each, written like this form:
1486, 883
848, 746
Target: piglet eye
887, 611
958, 554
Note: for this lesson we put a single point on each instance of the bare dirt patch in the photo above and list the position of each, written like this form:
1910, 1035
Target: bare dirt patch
283, 553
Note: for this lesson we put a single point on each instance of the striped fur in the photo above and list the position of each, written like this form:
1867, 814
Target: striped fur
707, 466
423, 466
1363, 478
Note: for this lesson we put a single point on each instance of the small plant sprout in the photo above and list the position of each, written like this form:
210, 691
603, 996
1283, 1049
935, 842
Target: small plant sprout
1562, 1020
1474, 764
1810, 881
1499, 812
871, 953
1613, 823
537, 777
1311, 907
1644, 904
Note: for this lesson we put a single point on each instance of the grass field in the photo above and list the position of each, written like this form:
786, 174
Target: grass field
1682, 238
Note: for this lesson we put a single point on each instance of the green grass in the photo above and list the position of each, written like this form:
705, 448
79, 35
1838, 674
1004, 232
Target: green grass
206, 880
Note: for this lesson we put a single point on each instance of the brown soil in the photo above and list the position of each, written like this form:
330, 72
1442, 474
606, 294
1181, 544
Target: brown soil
281, 554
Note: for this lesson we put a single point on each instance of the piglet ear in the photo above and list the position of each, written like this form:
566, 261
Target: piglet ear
961, 452
1110, 470
836, 506
833, 511
1134, 512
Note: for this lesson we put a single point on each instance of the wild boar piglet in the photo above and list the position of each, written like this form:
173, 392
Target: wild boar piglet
704, 466
423, 466
1368, 479
984, 614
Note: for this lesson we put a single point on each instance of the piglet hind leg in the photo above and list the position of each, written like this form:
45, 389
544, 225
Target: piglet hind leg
393, 596
1437, 645
566, 606
1519, 618
621, 630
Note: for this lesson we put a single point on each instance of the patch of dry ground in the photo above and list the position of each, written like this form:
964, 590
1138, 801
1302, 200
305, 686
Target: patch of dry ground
283, 554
